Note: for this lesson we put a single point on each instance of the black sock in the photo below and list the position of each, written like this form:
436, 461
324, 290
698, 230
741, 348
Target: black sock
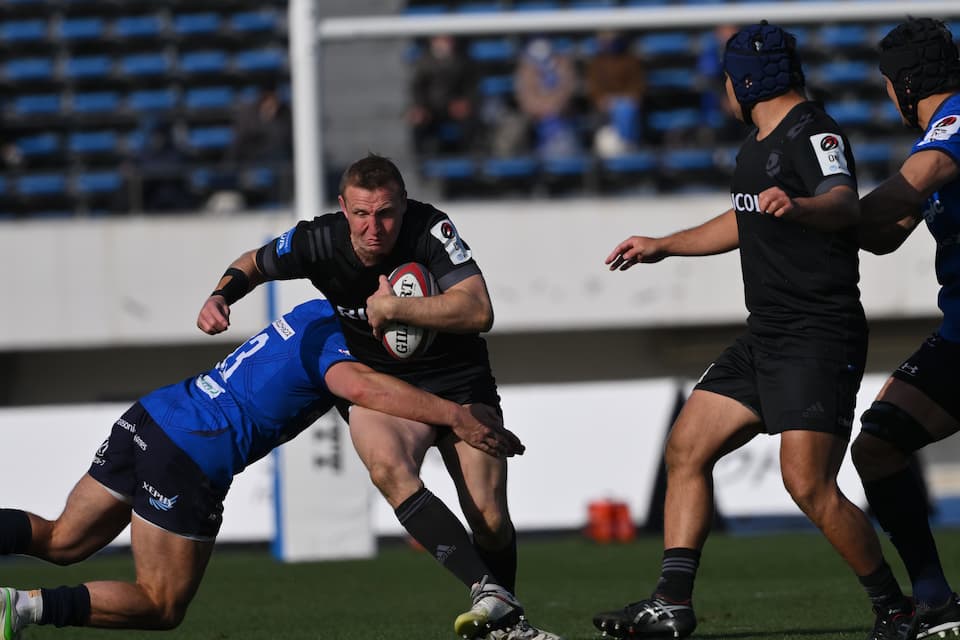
882, 589
502, 562
435, 527
65, 606
900, 506
678, 572
15, 532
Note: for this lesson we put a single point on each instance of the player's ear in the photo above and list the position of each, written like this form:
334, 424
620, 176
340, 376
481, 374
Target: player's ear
343, 205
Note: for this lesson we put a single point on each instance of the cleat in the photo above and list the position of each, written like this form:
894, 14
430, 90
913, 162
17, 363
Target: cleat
494, 608
9, 620
894, 624
522, 630
942, 622
655, 617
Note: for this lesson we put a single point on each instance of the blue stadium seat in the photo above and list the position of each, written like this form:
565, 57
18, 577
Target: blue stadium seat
147, 26
88, 67
145, 64
667, 43
846, 73
567, 165
501, 85
259, 60
22, 31
259, 178
645, 3
42, 184
211, 61
210, 138
209, 98
872, 152
844, 36
39, 104
887, 114
479, 7
634, 162
147, 100
28, 69
43, 144
92, 142
591, 4
492, 50
851, 113
519, 167
449, 168
687, 159
98, 182
536, 5
196, 24
668, 120
670, 78
96, 102
81, 28
254, 21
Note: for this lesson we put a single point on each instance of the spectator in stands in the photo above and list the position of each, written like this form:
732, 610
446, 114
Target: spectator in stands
546, 82
719, 116
160, 165
443, 112
615, 83
262, 133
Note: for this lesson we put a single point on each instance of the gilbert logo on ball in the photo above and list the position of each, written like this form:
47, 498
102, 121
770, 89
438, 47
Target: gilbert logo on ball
401, 340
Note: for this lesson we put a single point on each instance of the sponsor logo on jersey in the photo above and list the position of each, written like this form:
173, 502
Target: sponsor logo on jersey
345, 352
933, 209
445, 232
285, 330
943, 129
829, 150
101, 452
909, 368
746, 202
207, 384
123, 424
285, 242
159, 501
140, 442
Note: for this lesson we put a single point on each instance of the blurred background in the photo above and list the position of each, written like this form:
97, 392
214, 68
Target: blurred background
145, 144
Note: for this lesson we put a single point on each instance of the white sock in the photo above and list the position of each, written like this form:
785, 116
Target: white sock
29, 607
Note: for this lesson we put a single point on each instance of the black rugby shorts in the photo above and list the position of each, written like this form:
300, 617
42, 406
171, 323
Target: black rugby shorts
933, 370
165, 486
788, 392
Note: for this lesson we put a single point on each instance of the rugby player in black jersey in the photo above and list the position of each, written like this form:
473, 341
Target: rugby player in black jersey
347, 256
796, 370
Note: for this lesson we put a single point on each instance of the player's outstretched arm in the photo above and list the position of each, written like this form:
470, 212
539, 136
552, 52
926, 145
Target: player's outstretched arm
463, 308
717, 235
479, 426
239, 279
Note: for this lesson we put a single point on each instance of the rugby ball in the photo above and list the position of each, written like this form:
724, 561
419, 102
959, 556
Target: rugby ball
404, 341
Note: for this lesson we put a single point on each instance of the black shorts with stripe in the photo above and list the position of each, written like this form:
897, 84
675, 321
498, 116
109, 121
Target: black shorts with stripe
933, 370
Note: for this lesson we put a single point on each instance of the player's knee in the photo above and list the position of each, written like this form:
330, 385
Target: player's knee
888, 437
812, 495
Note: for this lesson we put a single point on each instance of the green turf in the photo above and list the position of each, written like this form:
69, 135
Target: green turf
789, 586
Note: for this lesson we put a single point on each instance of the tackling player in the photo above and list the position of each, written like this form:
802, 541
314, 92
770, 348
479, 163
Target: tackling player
796, 370
919, 403
347, 256
170, 459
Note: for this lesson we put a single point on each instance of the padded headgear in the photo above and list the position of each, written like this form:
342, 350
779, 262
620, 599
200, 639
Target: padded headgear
762, 62
920, 59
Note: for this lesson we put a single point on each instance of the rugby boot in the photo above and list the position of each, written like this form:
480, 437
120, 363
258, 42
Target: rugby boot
523, 630
494, 609
654, 617
942, 622
9, 620
894, 623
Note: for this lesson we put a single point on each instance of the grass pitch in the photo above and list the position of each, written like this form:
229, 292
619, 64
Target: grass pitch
785, 586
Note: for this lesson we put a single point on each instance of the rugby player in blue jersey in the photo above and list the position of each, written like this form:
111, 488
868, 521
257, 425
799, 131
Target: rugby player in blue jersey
170, 459
919, 404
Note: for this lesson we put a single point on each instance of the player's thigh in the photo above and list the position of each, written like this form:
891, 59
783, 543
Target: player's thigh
480, 479
709, 426
169, 566
382, 439
92, 517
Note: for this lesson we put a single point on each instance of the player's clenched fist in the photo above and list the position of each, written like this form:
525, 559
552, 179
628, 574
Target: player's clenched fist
214, 316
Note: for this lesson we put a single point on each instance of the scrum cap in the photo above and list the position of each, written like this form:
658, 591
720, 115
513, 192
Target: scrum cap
920, 59
762, 62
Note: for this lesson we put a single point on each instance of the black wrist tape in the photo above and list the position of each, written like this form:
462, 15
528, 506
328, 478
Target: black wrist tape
237, 286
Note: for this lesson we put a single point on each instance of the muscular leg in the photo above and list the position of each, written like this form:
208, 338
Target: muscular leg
392, 449
896, 493
809, 462
481, 482
91, 518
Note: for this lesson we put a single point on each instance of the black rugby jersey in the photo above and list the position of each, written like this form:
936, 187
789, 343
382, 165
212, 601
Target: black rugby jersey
320, 250
800, 283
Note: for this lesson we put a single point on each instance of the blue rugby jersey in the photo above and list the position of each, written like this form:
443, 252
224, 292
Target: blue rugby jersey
264, 393
942, 213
